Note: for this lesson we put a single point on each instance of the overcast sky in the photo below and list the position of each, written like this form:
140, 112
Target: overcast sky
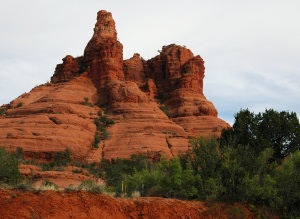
251, 49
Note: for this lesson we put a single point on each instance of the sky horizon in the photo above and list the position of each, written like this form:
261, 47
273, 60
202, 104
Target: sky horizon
251, 49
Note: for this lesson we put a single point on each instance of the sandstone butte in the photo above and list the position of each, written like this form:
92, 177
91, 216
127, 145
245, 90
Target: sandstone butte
133, 93
136, 94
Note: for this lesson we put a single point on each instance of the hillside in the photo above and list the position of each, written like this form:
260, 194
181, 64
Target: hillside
153, 106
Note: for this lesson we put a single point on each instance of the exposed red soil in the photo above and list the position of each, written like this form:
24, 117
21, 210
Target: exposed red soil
80, 204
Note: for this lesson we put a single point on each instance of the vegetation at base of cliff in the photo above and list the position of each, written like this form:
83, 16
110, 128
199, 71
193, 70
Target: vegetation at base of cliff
61, 159
256, 162
9, 172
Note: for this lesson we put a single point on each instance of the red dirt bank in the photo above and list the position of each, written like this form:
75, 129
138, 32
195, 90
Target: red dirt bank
50, 204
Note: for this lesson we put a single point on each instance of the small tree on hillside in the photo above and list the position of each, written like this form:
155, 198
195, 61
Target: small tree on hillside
9, 172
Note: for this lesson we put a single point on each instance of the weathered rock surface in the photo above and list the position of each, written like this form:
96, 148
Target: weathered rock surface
156, 104
52, 118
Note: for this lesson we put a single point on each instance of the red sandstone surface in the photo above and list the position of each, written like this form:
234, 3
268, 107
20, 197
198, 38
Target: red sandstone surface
50, 204
134, 93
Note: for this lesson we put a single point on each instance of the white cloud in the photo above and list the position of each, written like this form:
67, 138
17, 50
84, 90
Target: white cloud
251, 48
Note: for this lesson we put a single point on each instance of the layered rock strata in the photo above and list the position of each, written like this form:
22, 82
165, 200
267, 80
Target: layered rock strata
156, 104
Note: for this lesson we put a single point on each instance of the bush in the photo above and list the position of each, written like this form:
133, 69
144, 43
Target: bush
96, 140
20, 104
9, 171
101, 122
19, 154
2, 111
48, 185
87, 103
62, 158
91, 186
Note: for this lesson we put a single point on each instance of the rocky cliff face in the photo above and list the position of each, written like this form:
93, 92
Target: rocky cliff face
155, 104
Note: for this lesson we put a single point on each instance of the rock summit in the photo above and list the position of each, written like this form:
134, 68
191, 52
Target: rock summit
101, 106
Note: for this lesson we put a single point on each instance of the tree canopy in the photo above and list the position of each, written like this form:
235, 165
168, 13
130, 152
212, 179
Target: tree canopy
278, 130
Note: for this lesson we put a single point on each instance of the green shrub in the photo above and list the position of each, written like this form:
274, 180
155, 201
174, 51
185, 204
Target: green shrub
48, 185
87, 103
101, 122
106, 121
2, 111
91, 186
20, 104
9, 171
19, 154
62, 158
96, 140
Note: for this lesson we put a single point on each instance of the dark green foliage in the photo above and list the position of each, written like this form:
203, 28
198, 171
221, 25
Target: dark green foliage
101, 122
62, 158
278, 130
87, 103
9, 172
2, 111
96, 140
48, 166
205, 160
288, 180
20, 104
19, 154
115, 172
106, 121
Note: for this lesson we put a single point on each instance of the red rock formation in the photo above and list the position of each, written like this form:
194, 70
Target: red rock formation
65, 71
104, 53
134, 70
51, 119
57, 116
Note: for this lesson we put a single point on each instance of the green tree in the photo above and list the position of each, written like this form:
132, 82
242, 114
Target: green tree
235, 166
243, 131
171, 172
206, 163
287, 177
278, 130
9, 172
189, 181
